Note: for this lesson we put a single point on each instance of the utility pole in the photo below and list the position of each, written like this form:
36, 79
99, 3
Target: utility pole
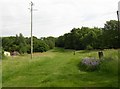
31, 9
118, 20
118, 26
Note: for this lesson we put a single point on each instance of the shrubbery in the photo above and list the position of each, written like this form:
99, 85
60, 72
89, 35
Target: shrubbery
22, 44
89, 64
107, 65
2, 56
89, 47
91, 38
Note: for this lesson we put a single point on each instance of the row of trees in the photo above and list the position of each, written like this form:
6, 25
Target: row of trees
22, 44
78, 38
91, 38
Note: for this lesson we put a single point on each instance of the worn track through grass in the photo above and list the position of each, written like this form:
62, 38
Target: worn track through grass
56, 68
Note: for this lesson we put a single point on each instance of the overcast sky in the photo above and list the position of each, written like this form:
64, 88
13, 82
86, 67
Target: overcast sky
54, 17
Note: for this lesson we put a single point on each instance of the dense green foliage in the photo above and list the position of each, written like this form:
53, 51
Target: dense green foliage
22, 44
17, 43
59, 68
50, 41
78, 38
91, 38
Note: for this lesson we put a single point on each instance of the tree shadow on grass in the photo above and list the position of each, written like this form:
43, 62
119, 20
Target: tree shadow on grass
88, 51
61, 50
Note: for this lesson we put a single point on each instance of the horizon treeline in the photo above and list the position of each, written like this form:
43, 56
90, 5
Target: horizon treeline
77, 39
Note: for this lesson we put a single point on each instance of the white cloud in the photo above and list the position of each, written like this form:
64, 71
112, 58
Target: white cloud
54, 17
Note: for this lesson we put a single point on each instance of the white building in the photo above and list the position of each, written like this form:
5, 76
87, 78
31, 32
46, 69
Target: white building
6, 53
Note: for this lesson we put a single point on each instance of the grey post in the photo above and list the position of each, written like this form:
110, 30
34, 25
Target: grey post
31, 9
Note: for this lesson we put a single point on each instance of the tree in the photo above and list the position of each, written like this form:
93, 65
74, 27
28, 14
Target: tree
110, 34
7, 43
60, 41
39, 45
22, 43
50, 41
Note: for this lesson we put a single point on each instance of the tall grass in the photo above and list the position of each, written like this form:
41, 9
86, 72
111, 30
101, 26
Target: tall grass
110, 62
59, 68
109, 66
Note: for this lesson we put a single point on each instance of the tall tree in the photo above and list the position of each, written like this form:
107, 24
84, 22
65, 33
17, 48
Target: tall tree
110, 34
22, 44
50, 41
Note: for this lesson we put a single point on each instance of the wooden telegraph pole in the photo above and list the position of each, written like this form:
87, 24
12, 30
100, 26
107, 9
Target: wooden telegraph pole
118, 20
31, 9
118, 26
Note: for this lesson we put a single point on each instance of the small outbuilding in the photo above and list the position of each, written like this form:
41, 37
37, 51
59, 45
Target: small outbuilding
15, 53
7, 53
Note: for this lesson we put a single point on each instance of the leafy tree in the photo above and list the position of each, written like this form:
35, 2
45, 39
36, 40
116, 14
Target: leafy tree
39, 45
77, 38
91, 38
110, 34
60, 41
7, 43
22, 44
50, 41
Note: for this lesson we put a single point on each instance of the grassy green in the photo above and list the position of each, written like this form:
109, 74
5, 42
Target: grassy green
0, 74
59, 68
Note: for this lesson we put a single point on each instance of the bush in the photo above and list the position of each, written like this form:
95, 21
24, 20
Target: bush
108, 65
3, 56
89, 64
89, 47
40, 46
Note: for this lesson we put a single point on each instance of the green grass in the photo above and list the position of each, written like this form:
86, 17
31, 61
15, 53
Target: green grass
59, 68
0, 74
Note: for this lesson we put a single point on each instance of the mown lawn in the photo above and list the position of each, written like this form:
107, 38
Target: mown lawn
59, 68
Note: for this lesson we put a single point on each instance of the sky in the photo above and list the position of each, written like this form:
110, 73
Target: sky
54, 17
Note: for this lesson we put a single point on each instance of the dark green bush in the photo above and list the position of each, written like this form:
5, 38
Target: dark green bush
89, 47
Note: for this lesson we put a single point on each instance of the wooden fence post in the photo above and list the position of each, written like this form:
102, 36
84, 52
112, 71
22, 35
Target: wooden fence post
100, 54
